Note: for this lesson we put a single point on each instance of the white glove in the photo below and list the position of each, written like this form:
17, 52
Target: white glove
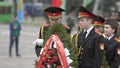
38, 42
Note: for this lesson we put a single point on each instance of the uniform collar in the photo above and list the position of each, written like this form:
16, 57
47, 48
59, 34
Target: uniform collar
110, 37
88, 31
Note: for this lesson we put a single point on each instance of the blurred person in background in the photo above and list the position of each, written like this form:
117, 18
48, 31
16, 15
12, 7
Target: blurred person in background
70, 21
99, 23
99, 26
15, 29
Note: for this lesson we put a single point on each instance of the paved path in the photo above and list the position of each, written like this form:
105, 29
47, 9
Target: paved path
28, 35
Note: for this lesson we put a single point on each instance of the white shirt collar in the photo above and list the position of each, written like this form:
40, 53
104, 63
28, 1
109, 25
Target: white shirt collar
110, 37
88, 31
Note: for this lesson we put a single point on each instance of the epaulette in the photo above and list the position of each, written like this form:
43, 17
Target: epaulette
42, 29
98, 32
46, 25
65, 26
117, 39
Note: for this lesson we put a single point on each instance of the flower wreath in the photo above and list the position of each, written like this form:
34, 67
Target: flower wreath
54, 55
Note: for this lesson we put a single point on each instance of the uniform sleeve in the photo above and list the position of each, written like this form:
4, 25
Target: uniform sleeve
98, 53
116, 61
38, 48
75, 42
118, 52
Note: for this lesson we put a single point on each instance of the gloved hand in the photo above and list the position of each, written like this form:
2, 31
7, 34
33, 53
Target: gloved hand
38, 42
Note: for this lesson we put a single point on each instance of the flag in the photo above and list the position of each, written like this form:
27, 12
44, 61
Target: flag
86, 2
63, 6
59, 3
20, 10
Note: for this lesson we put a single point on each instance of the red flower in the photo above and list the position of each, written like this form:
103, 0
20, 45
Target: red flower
41, 66
50, 62
59, 66
45, 59
54, 58
50, 58
50, 52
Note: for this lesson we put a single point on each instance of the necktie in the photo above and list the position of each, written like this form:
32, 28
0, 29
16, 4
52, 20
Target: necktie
84, 35
107, 39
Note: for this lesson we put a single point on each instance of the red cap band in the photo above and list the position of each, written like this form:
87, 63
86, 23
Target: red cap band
55, 14
98, 23
81, 14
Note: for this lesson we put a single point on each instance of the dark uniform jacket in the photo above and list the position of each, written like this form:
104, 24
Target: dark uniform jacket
42, 32
90, 53
111, 53
74, 40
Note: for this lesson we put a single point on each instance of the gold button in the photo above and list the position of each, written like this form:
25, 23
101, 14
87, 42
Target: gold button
82, 48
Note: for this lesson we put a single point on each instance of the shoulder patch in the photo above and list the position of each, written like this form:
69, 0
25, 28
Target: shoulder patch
117, 39
98, 32
118, 51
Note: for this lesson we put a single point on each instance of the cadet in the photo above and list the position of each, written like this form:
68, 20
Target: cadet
112, 44
89, 41
99, 23
55, 16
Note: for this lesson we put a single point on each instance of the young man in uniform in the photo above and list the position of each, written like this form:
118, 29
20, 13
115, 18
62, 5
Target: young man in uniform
112, 44
89, 41
99, 23
54, 16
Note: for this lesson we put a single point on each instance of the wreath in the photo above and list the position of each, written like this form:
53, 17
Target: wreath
53, 60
